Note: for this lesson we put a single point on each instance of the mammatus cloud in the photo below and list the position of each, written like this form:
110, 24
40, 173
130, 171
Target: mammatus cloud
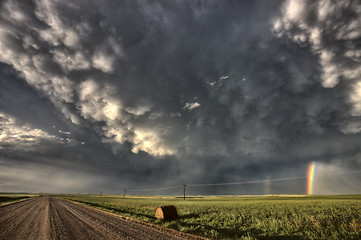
333, 31
55, 49
153, 93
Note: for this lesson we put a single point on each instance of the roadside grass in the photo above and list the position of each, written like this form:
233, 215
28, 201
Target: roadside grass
252, 217
11, 198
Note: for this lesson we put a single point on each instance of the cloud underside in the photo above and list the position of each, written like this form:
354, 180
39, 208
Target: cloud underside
189, 91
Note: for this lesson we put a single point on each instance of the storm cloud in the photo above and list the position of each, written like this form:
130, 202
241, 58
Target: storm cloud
143, 94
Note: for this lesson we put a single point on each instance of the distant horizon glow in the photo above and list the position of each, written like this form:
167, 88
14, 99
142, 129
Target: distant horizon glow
311, 178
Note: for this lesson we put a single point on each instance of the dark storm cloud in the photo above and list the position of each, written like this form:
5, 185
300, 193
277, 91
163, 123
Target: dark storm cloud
23, 102
148, 93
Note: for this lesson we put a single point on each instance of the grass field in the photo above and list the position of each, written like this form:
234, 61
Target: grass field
6, 198
261, 217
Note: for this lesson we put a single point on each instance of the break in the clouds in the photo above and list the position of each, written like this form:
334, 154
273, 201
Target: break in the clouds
105, 95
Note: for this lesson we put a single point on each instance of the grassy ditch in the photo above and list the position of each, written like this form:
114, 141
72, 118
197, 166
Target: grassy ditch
11, 198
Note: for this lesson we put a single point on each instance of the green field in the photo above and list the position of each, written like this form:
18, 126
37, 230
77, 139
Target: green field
260, 217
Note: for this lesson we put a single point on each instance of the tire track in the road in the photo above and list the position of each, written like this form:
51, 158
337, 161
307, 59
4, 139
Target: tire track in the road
127, 229
89, 222
76, 226
45, 224
10, 207
102, 221
16, 219
32, 227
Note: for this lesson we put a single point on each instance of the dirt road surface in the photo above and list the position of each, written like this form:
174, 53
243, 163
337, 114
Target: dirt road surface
53, 218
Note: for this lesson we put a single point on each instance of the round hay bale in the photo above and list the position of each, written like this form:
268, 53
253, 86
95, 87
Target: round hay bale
166, 213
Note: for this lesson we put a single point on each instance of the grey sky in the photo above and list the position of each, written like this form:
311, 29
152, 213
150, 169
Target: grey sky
98, 96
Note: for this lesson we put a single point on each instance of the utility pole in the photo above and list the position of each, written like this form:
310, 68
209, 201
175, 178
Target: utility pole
184, 192
101, 194
125, 191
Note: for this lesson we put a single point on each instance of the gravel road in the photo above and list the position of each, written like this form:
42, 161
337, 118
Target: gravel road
54, 218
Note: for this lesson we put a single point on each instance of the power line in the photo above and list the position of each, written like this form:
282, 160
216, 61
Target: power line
268, 180
154, 189
240, 183
246, 182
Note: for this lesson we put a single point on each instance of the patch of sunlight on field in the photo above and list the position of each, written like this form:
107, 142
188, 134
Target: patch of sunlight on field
245, 217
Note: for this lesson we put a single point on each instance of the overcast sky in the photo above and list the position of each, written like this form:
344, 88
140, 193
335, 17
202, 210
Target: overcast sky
102, 95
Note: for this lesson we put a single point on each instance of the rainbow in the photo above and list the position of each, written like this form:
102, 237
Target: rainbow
310, 177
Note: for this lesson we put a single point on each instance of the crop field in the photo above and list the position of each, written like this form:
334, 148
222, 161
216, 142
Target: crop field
251, 217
